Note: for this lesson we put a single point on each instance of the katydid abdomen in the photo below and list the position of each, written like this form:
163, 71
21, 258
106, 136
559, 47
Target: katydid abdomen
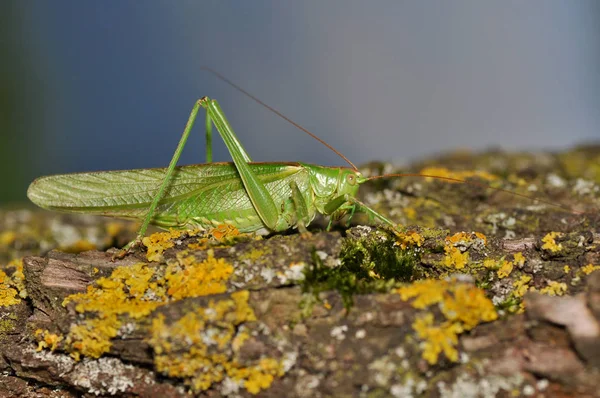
202, 196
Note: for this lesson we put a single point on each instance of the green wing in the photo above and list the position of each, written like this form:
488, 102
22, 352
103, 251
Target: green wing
199, 195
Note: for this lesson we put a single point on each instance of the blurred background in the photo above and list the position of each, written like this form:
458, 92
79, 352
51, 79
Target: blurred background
109, 85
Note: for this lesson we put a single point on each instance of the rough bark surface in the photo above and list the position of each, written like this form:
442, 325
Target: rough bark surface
479, 293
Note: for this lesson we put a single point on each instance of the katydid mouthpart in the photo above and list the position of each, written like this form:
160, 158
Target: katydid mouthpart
249, 195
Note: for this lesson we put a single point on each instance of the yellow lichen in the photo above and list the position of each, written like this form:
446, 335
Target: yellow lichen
567, 269
437, 339
457, 174
521, 286
463, 306
79, 246
159, 242
505, 269
550, 242
519, 259
92, 336
188, 278
588, 269
554, 289
7, 237
134, 292
12, 288
408, 239
8, 295
490, 263
202, 347
114, 228
454, 258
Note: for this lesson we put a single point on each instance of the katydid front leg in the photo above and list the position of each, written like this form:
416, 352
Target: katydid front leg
348, 200
165, 183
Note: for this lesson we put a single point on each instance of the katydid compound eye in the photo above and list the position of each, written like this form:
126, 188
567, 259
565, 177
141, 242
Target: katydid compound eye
351, 178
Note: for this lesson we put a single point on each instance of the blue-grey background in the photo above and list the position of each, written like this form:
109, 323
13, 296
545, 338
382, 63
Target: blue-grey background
109, 85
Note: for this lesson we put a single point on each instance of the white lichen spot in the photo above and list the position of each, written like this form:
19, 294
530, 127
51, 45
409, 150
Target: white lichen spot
295, 272
339, 332
528, 390
267, 274
400, 352
229, 387
401, 391
555, 181
289, 360
360, 334
468, 386
383, 370
585, 187
103, 376
543, 384
64, 363
322, 255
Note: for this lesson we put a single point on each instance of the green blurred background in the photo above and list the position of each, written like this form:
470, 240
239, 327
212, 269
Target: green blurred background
109, 85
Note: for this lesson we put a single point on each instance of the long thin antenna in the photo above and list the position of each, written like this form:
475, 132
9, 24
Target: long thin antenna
275, 111
482, 185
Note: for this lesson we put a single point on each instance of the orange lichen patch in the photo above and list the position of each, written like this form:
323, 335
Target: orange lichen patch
463, 306
203, 347
158, 242
221, 234
550, 242
588, 269
457, 174
408, 239
135, 291
188, 278
554, 289
12, 288
467, 239
47, 339
223, 231
457, 245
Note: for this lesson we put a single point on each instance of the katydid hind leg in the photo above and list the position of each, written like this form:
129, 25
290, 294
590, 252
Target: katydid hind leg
208, 128
261, 199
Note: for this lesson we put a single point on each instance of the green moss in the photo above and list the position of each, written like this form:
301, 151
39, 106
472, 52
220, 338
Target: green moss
376, 256
370, 262
7, 326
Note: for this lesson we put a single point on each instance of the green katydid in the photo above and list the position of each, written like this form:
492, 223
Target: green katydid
250, 196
